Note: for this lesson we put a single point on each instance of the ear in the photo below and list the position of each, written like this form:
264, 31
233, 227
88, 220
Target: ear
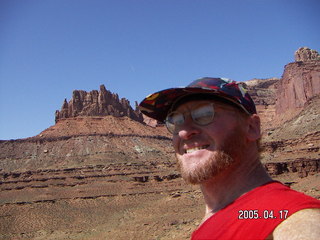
253, 130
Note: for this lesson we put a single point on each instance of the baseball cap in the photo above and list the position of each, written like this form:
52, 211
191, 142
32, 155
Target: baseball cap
158, 104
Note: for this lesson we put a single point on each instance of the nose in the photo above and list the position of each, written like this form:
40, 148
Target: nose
188, 129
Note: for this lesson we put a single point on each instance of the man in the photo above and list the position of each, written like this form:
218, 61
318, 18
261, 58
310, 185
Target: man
216, 138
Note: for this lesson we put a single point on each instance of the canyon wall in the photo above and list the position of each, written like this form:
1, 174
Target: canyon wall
299, 84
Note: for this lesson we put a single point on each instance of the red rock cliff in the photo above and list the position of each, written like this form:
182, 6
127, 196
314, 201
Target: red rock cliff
97, 103
300, 83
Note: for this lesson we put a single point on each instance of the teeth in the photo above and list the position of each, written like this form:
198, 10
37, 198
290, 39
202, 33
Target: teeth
190, 150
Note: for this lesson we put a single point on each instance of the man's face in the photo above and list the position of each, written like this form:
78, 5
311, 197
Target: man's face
204, 152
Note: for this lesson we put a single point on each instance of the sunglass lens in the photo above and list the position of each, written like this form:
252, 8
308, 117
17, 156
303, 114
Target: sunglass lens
203, 115
174, 119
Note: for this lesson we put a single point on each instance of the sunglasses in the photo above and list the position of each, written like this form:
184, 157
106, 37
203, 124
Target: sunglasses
201, 115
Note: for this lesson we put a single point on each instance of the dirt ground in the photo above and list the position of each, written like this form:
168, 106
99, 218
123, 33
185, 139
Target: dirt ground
110, 207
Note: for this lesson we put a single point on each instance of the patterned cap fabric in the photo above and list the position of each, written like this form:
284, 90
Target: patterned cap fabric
158, 104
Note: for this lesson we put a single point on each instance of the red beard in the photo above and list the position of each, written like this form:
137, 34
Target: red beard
228, 155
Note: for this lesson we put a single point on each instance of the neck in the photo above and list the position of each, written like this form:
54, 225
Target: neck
221, 190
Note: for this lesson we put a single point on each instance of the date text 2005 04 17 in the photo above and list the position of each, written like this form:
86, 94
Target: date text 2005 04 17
266, 214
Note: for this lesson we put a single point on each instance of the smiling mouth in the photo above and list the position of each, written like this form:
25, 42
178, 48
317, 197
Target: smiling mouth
191, 150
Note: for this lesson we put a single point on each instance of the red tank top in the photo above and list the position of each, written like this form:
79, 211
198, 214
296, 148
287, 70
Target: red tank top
255, 214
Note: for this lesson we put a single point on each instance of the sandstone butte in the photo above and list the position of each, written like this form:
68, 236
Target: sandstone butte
104, 171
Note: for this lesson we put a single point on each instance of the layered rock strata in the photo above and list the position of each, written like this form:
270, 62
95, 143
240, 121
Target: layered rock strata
263, 93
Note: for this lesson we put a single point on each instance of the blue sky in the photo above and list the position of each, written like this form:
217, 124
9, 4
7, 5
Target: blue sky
48, 48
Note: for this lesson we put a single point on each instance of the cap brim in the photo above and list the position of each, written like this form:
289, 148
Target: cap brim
158, 104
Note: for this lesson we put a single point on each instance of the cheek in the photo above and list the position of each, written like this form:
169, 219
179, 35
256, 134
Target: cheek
219, 130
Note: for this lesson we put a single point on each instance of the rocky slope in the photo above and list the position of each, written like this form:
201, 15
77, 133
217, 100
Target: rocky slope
86, 141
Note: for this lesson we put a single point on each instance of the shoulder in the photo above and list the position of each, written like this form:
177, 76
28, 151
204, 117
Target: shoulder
277, 194
304, 224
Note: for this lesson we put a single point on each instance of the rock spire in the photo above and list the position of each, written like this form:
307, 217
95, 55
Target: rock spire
97, 103
305, 54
